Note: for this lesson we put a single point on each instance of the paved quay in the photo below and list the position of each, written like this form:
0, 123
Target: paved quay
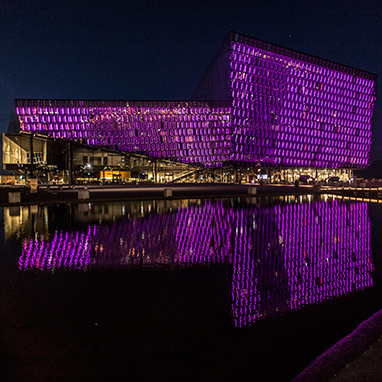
82, 193
357, 357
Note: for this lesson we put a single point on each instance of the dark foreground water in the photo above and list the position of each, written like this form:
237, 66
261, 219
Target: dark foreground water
183, 290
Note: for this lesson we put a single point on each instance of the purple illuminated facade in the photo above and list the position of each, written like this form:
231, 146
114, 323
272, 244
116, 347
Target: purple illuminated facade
290, 109
284, 257
190, 132
258, 104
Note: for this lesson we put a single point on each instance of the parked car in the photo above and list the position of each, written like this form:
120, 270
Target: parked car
333, 180
305, 179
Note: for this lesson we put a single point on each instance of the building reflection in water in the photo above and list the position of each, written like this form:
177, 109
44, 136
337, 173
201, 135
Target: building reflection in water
284, 256
292, 255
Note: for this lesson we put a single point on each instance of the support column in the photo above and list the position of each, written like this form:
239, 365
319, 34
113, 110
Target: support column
69, 161
31, 171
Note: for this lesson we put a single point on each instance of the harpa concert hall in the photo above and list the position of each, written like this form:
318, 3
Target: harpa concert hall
260, 110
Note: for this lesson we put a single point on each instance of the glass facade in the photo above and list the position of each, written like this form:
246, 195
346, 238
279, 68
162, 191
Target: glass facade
258, 104
290, 109
189, 132
293, 113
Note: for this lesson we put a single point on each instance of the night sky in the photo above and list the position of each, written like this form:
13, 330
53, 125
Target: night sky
158, 50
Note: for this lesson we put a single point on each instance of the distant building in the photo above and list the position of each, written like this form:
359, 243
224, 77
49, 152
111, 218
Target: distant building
258, 106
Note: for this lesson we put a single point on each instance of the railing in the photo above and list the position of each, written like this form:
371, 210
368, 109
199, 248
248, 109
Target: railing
355, 189
182, 176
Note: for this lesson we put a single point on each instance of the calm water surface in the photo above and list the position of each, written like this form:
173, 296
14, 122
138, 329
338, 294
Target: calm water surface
189, 289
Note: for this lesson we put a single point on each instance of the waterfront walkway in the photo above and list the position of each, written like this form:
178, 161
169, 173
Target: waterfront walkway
357, 357
84, 193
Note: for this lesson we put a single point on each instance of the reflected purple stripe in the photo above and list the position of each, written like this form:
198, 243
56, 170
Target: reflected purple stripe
284, 257
301, 254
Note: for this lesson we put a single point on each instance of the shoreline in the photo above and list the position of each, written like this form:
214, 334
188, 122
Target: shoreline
106, 193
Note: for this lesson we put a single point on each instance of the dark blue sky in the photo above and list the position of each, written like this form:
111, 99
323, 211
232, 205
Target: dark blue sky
146, 49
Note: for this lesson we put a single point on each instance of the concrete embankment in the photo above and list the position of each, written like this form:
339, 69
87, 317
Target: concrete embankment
74, 194
96, 193
354, 358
